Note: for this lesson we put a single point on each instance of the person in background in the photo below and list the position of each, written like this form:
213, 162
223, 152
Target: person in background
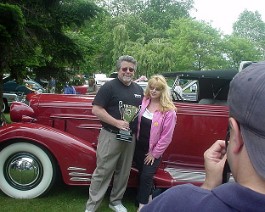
156, 123
141, 79
178, 88
69, 89
114, 157
245, 154
92, 87
52, 85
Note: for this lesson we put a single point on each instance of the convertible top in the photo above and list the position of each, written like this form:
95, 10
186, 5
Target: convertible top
211, 74
213, 84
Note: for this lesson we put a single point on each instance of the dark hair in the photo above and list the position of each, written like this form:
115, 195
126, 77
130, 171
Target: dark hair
126, 58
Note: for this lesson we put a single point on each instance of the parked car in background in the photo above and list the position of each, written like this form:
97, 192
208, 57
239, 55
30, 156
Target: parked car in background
143, 84
28, 86
101, 79
211, 86
12, 91
8, 98
55, 136
35, 86
81, 89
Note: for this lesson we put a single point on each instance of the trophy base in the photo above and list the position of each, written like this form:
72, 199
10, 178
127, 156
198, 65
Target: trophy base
124, 136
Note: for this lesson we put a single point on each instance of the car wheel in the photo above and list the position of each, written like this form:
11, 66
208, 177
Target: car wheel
26, 171
3, 107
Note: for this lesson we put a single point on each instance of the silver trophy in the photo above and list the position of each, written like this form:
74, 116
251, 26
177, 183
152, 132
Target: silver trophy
128, 113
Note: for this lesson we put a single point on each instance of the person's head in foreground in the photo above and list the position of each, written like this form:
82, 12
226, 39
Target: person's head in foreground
245, 154
246, 100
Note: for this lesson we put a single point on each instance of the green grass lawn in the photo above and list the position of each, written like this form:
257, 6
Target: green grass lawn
62, 198
7, 117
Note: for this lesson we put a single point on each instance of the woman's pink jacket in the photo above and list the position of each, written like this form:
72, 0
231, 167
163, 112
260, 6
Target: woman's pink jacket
162, 128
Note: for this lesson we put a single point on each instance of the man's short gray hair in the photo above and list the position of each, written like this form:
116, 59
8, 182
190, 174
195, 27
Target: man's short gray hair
126, 58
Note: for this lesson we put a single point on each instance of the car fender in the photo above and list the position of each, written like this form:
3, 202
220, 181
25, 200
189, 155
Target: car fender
73, 155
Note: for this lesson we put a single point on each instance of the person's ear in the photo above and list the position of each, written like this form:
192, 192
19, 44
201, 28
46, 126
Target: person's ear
237, 137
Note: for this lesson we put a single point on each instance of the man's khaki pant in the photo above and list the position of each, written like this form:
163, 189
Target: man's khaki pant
114, 158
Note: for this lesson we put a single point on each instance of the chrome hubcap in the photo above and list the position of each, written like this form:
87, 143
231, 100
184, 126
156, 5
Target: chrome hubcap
23, 171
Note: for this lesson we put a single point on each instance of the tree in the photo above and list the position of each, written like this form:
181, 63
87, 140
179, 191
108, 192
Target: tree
196, 44
119, 8
46, 23
11, 35
159, 13
135, 31
251, 27
120, 40
240, 49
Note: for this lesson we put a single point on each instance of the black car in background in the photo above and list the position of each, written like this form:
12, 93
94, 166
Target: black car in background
28, 86
211, 86
12, 91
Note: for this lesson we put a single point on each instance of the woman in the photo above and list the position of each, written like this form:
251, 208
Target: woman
156, 123
92, 87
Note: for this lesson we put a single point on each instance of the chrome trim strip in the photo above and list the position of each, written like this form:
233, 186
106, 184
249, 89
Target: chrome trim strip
81, 179
79, 174
76, 169
185, 175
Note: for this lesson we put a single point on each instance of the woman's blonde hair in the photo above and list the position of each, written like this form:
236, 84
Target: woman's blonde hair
160, 82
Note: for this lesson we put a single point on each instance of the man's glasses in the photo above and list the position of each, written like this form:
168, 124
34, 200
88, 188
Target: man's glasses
128, 68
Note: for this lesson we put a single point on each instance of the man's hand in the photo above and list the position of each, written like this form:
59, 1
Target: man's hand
123, 125
214, 160
103, 115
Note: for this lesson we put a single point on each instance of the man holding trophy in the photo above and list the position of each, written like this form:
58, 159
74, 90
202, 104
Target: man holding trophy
128, 113
116, 104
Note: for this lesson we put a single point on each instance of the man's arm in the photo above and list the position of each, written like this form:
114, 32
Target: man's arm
214, 160
103, 115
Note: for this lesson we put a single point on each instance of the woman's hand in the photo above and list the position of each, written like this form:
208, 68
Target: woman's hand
149, 159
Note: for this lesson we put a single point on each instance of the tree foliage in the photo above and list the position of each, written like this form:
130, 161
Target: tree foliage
67, 37
120, 40
11, 36
251, 27
196, 44
162, 39
159, 13
46, 45
240, 49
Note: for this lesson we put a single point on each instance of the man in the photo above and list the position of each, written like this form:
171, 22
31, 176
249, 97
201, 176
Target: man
178, 89
69, 89
245, 155
114, 156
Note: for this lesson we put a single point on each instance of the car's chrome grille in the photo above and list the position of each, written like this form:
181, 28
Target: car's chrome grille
78, 174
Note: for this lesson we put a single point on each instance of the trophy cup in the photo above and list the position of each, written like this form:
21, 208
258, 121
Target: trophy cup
128, 113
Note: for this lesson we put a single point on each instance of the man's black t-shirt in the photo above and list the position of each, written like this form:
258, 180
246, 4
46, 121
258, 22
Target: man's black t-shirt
114, 91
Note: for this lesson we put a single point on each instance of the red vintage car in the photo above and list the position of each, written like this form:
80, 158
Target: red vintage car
55, 136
